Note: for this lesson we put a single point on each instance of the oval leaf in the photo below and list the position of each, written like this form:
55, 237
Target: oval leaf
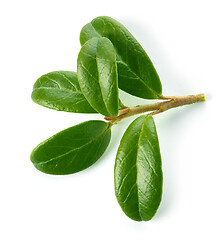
97, 75
72, 149
138, 173
60, 90
136, 73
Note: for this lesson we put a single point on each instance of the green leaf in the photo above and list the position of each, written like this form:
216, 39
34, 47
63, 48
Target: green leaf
136, 73
138, 173
72, 149
97, 75
60, 90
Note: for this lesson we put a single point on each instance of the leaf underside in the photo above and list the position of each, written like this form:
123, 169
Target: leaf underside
97, 75
136, 73
72, 149
138, 173
60, 90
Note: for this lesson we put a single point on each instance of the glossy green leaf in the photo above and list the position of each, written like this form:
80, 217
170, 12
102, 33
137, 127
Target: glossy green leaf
136, 73
60, 90
97, 75
138, 173
72, 149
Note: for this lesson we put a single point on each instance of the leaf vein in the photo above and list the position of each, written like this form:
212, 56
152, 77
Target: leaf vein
124, 178
129, 192
73, 85
52, 80
148, 161
75, 149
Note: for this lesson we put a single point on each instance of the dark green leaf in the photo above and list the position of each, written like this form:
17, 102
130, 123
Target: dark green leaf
72, 149
136, 73
138, 173
97, 75
60, 90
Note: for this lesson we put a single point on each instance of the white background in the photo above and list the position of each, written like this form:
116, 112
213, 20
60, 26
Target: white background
182, 39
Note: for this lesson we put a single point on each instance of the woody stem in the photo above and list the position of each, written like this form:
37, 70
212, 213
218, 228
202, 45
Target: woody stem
156, 108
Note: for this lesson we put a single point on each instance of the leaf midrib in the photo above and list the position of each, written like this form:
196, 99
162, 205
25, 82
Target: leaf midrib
96, 58
121, 60
142, 81
137, 171
78, 148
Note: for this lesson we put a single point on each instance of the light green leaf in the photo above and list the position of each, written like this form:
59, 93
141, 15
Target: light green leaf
138, 173
72, 149
136, 73
60, 90
97, 75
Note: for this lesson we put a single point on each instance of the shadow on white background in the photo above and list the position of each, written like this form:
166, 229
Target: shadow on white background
181, 38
